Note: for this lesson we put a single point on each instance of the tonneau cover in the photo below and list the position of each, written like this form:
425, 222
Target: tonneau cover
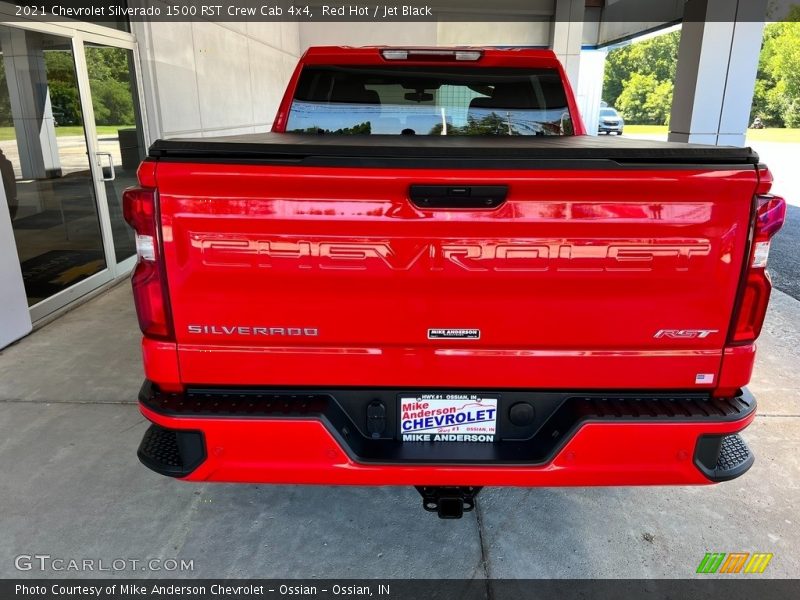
335, 149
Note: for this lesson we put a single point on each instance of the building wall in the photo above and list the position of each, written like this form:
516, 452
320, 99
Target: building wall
590, 88
519, 33
205, 79
366, 34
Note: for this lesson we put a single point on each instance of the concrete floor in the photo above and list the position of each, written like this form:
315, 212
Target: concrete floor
73, 488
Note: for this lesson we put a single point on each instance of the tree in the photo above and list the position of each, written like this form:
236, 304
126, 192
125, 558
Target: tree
632, 102
63, 86
658, 105
109, 79
639, 77
657, 56
777, 94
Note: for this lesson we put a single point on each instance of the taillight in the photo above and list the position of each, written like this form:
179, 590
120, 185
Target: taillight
754, 295
148, 279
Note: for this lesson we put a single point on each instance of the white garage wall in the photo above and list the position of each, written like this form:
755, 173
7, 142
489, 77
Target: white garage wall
590, 87
529, 33
318, 33
204, 78
519, 33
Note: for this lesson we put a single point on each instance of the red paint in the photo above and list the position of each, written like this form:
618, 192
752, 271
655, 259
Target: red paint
569, 282
302, 451
737, 367
573, 275
161, 363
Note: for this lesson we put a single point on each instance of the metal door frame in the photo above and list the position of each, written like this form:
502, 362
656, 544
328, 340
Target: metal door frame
81, 33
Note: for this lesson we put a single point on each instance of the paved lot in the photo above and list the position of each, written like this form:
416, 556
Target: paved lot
72, 487
784, 260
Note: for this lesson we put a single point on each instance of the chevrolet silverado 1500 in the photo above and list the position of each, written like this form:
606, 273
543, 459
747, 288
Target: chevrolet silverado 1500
428, 274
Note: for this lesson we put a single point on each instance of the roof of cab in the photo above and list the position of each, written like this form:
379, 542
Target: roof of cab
371, 55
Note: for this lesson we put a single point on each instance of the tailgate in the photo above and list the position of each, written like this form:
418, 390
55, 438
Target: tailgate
583, 278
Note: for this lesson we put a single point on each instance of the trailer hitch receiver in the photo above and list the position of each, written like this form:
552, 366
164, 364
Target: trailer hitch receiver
448, 502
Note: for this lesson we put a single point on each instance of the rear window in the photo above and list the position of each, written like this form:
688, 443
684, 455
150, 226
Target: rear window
429, 101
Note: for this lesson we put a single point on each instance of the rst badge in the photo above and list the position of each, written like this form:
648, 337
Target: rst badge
684, 334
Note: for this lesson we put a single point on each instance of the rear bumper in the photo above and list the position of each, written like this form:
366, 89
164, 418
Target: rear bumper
314, 437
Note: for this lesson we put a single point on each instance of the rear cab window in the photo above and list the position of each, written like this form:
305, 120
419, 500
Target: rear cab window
403, 100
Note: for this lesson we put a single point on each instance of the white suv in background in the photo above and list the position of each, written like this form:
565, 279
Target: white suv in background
610, 121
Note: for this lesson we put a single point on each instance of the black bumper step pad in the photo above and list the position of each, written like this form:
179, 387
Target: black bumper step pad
277, 403
171, 452
723, 457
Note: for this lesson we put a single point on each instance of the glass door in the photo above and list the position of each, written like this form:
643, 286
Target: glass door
120, 142
48, 175
71, 138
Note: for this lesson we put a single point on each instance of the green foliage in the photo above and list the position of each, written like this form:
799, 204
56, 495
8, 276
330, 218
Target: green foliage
112, 103
109, 79
491, 124
639, 77
635, 92
791, 115
364, 128
655, 60
63, 86
497, 124
645, 100
769, 103
659, 103
777, 94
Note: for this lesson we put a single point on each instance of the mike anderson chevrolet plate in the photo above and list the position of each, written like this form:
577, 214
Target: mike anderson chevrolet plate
448, 418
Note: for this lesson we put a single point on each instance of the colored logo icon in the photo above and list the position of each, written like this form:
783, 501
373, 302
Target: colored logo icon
734, 562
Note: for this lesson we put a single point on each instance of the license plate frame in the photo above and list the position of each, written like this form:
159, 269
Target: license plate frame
447, 417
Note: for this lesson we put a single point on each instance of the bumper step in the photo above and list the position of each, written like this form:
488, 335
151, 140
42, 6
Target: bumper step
171, 452
722, 458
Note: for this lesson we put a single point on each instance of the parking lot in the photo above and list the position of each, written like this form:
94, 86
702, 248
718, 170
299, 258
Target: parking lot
72, 488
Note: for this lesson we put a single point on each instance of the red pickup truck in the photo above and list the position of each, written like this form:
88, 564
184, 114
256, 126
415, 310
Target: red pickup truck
428, 274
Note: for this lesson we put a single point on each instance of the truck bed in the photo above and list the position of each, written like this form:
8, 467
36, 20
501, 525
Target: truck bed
437, 151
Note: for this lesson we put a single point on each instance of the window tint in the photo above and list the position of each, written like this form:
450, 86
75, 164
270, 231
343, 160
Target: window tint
429, 101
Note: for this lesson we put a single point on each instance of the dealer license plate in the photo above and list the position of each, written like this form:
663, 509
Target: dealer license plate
443, 417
